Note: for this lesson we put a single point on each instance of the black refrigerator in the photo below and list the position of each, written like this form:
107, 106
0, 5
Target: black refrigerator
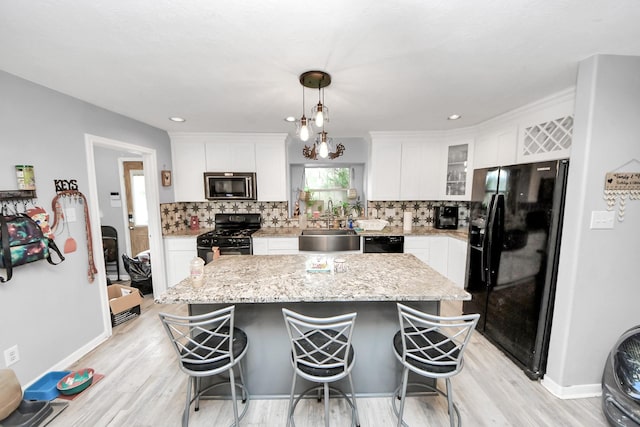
515, 226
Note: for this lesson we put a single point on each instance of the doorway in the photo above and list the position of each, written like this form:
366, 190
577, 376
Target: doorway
154, 231
135, 208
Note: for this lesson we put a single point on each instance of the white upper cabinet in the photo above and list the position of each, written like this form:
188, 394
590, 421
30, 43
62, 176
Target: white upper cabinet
188, 168
458, 163
384, 170
411, 166
420, 170
546, 135
271, 169
496, 148
196, 153
536, 132
230, 156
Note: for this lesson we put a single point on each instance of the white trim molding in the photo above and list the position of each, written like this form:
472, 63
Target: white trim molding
573, 391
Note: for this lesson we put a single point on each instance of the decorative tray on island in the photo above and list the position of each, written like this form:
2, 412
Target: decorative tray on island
319, 265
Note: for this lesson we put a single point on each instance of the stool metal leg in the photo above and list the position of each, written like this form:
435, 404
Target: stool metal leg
232, 381
245, 394
403, 394
196, 391
185, 414
326, 404
450, 401
293, 388
353, 398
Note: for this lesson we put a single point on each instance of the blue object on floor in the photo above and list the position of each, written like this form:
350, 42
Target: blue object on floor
45, 388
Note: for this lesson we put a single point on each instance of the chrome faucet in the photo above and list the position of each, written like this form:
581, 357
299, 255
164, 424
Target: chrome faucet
330, 217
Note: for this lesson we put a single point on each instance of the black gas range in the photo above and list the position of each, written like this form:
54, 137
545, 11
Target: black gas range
232, 235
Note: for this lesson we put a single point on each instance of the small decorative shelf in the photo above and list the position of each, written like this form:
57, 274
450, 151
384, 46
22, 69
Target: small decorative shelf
17, 194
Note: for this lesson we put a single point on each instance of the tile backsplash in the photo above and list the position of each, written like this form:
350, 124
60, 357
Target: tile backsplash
423, 212
175, 216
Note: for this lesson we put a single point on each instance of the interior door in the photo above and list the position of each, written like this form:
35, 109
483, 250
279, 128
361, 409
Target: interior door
137, 212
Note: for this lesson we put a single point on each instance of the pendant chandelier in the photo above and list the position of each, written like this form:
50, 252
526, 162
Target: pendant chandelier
319, 117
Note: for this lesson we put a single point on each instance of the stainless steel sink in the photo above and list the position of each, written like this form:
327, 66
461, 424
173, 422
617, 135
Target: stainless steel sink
328, 240
328, 232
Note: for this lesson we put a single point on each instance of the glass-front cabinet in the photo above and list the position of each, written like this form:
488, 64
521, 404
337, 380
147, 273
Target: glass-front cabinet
457, 169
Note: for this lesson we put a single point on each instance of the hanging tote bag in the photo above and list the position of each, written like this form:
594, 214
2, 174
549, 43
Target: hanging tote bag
23, 242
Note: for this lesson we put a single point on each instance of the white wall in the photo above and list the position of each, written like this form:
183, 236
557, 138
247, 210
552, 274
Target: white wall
52, 312
598, 289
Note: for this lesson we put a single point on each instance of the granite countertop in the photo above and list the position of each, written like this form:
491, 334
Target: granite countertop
461, 233
186, 233
283, 278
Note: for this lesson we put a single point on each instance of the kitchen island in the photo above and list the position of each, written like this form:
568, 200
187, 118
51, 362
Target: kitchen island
260, 286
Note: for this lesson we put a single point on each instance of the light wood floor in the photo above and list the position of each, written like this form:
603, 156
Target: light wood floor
144, 387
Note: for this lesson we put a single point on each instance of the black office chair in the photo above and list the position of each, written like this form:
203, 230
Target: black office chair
110, 248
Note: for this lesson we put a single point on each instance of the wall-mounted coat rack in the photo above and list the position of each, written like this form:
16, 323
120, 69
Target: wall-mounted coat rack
15, 201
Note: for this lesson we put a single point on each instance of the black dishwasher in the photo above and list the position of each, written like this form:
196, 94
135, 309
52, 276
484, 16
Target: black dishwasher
383, 245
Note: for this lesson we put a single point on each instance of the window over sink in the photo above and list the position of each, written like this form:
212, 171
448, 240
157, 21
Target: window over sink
316, 185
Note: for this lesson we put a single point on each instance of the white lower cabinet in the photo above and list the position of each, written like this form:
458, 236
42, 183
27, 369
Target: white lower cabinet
446, 255
275, 245
457, 262
438, 254
178, 253
418, 246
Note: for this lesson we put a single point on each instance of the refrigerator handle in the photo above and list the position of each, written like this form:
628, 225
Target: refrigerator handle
495, 240
486, 243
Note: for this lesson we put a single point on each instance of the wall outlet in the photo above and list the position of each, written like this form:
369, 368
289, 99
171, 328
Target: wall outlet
11, 356
601, 220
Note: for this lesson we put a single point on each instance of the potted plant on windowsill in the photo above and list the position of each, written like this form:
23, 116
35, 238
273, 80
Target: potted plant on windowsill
356, 208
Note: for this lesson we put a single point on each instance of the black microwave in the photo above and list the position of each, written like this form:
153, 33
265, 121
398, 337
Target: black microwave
230, 186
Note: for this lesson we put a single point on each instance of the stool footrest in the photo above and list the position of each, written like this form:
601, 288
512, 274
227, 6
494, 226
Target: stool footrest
430, 391
331, 389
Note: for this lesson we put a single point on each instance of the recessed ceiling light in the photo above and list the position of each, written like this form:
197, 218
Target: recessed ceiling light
290, 119
177, 119
454, 117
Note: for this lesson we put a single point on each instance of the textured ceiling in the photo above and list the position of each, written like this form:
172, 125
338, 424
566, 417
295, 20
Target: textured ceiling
234, 65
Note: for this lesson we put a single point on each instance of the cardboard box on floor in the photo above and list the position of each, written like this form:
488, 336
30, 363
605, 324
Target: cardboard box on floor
118, 302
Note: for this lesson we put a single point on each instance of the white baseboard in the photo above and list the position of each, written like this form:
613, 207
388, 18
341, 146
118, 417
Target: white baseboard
572, 392
64, 364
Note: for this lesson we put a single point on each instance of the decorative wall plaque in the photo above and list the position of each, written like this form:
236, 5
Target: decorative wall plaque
622, 185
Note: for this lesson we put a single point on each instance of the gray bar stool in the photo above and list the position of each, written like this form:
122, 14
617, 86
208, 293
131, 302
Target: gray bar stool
431, 346
207, 345
321, 352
